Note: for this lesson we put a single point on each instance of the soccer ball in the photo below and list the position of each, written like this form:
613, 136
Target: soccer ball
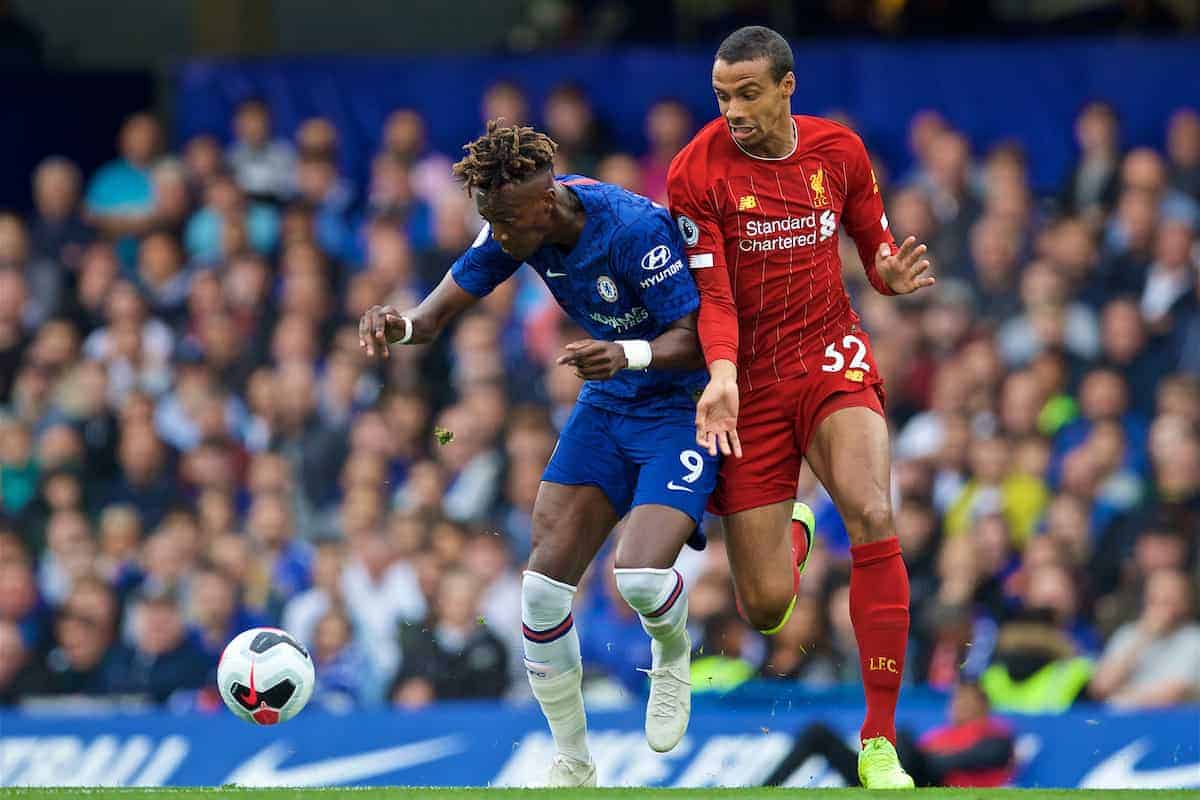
265, 676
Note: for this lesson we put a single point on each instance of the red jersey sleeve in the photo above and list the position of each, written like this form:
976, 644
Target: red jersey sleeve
864, 216
699, 224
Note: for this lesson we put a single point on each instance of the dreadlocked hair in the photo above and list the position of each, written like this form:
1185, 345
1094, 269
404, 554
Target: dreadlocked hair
505, 154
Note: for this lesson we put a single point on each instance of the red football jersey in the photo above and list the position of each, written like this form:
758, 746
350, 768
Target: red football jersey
762, 242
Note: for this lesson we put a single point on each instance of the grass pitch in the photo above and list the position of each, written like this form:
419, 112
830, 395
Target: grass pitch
406, 793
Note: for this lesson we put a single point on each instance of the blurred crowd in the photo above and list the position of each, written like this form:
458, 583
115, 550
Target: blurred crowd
191, 442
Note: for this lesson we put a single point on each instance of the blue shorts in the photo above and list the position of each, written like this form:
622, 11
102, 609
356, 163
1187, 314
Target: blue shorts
635, 460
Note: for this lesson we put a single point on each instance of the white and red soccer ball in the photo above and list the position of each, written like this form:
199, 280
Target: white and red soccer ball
265, 676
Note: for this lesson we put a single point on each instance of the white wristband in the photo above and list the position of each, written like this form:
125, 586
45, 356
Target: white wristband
408, 332
637, 353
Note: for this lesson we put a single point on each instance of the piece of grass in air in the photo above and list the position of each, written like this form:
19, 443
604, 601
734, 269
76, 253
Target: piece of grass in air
443, 436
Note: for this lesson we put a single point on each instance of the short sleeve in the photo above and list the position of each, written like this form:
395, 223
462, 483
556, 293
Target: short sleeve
484, 266
651, 257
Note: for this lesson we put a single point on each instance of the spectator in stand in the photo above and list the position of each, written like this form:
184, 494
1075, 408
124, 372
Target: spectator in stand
1126, 347
954, 203
507, 101
21, 675
1154, 661
997, 487
314, 451
86, 658
392, 203
621, 169
1092, 184
347, 677
668, 127
263, 167
172, 197
216, 613
144, 480
270, 529
404, 139
572, 123
20, 602
1183, 151
1171, 276
162, 276
327, 194
451, 656
1129, 243
57, 230
208, 229
120, 196
164, 658
43, 278
994, 250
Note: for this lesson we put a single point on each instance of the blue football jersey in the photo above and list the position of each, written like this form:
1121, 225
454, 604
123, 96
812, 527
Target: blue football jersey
626, 278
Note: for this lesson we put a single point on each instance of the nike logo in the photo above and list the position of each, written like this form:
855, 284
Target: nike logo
550, 274
263, 768
1120, 770
675, 487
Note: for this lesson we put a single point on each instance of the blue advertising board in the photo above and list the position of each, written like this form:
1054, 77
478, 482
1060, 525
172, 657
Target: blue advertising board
509, 746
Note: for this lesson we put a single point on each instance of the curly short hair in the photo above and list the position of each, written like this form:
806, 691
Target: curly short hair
503, 155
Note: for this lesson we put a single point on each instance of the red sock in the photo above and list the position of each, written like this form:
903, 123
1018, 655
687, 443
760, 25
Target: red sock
879, 612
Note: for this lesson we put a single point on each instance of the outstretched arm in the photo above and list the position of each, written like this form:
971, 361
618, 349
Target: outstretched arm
381, 326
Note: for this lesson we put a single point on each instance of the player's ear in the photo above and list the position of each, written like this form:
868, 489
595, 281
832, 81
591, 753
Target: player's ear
788, 84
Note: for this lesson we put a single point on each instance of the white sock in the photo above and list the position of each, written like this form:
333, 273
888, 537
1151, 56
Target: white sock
552, 661
660, 598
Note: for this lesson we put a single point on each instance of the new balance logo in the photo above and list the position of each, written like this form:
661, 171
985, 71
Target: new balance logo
675, 487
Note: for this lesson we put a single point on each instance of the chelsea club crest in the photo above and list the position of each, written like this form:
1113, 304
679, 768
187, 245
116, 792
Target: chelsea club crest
607, 289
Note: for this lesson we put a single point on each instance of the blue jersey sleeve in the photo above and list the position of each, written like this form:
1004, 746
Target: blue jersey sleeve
484, 266
650, 256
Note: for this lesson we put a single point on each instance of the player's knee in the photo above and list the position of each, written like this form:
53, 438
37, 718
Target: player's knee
764, 608
646, 589
544, 601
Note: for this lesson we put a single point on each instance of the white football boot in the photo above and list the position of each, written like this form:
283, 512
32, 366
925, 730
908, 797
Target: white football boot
670, 705
567, 772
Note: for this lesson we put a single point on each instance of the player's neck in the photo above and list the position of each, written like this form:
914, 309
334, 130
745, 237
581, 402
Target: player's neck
780, 141
569, 219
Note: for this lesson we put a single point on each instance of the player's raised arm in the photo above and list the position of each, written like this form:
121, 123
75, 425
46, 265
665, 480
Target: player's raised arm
382, 326
890, 269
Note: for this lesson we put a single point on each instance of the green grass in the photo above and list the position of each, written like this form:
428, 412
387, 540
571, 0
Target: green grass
398, 793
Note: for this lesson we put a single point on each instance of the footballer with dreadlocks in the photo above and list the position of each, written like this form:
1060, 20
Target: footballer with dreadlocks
615, 263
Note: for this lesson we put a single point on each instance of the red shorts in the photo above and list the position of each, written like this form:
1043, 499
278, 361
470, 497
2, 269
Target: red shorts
777, 422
